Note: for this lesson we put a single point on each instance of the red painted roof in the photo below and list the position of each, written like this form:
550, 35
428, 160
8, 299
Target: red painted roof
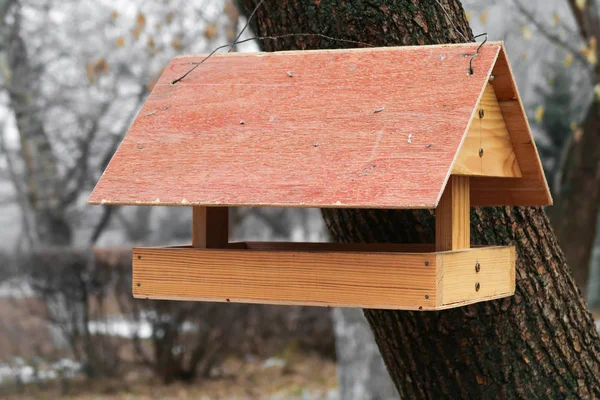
373, 128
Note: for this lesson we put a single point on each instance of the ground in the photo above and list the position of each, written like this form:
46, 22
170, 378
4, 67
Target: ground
302, 377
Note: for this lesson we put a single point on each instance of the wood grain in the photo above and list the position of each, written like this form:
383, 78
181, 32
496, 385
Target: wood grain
452, 216
210, 227
368, 128
496, 276
488, 133
504, 82
335, 134
532, 188
336, 279
321, 277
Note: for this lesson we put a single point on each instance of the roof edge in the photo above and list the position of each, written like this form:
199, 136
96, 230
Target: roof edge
157, 202
522, 108
473, 114
343, 50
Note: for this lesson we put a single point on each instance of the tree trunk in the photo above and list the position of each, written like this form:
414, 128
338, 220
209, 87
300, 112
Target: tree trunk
44, 192
577, 197
541, 342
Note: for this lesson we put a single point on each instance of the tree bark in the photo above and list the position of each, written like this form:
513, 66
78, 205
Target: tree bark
577, 197
542, 342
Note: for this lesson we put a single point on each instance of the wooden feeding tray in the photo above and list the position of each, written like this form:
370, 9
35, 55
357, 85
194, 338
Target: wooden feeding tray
385, 128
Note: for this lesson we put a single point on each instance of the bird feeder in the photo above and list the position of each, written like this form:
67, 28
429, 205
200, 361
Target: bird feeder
430, 127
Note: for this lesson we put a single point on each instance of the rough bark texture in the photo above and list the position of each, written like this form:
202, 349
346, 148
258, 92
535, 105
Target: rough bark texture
542, 342
361, 371
578, 196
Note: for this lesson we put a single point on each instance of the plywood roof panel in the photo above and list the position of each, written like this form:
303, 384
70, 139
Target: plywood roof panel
373, 128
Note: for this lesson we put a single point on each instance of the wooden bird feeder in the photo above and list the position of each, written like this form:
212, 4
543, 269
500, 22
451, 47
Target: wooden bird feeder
382, 128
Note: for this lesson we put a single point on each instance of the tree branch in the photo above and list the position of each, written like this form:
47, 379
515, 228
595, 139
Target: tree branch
553, 38
586, 19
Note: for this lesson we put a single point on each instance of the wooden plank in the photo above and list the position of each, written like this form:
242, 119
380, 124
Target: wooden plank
487, 149
210, 227
458, 276
368, 280
411, 281
349, 247
532, 188
452, 216
372, 128
504, 82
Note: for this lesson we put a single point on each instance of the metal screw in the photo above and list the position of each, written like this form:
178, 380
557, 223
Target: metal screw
492, 78
140, 147
242, 122
477, 286
139, 284
316, 144
427, 296
481, 152
139, 257
477, 267
481, 113
427, 263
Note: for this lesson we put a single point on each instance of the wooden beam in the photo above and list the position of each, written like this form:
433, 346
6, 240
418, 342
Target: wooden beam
488, 149
452, 221
462, 283
210, 227
407, 281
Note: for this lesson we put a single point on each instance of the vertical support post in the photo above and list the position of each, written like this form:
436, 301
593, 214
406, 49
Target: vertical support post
210, 227
452, 216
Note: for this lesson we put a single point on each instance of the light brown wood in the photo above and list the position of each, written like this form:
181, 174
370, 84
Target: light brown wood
452, 221
210, 227
504, 82
487, 149
350, 247
411, 281
532, 188
459, 275
336, 279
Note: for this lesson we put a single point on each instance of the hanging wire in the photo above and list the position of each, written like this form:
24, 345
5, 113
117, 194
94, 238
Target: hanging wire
320, 35
451, 22
275, 37
473, 56
471, 71
245, 26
